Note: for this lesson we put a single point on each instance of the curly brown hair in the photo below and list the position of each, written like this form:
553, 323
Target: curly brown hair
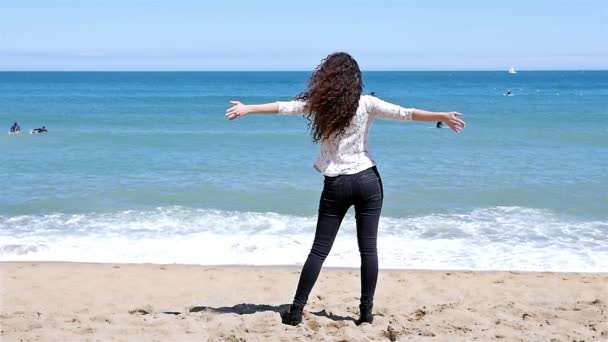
333, 95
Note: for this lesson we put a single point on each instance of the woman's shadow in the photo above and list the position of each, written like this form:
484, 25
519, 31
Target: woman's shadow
248, 309
241, 309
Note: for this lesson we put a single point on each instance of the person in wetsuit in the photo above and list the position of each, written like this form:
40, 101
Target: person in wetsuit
40, 130
15, 128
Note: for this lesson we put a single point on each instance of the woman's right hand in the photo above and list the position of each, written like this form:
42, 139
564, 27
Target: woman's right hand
454, 122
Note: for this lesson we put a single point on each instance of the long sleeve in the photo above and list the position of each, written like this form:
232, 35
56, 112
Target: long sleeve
292, 107
388, 111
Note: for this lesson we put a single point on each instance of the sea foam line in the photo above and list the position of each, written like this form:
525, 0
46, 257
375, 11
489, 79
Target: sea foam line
496, 238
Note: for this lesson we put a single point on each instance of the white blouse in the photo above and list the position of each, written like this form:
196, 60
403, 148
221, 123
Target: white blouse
348, 153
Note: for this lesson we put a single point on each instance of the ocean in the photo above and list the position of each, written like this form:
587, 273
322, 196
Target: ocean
144, 167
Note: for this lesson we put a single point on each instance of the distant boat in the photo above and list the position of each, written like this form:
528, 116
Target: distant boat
512, 71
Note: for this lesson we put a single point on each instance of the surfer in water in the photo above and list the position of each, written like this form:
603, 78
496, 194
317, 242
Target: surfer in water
340, 121
39, 130
439, 124
15, 128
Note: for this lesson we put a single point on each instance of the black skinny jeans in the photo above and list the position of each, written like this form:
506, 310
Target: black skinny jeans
364, 191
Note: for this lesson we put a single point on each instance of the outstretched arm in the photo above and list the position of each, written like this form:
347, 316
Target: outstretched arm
452, 119
239, 110
389, 111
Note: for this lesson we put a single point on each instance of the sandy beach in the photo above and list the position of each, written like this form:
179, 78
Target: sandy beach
55, 301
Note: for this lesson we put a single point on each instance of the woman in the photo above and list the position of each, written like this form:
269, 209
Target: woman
340, 120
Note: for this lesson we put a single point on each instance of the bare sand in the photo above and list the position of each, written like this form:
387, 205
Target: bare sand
56, 301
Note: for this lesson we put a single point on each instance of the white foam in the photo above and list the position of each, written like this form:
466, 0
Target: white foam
499, 238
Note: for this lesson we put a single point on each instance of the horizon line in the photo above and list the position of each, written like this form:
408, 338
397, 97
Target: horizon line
303, 70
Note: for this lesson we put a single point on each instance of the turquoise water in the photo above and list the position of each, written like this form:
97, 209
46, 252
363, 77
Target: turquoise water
148, 162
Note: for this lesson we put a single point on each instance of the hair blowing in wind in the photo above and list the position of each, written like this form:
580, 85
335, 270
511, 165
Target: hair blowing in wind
332, 95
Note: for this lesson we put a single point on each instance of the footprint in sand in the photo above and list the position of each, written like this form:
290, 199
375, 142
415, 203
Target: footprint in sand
139, 312
337, 325
100, 319
419, 313
34, 326
313, 325
87, 330
391, 333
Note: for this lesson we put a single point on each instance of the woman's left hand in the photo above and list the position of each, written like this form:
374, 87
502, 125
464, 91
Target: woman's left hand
238, 110
452, 119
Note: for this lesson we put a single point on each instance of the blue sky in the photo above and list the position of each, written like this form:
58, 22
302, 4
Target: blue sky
290, 35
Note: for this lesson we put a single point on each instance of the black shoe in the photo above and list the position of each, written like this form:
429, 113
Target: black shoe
365, 314
293, 316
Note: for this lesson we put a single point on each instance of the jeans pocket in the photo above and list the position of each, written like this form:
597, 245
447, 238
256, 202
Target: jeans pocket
331, 191
371, 189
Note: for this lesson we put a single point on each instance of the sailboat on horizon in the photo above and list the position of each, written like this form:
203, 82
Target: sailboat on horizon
512, 70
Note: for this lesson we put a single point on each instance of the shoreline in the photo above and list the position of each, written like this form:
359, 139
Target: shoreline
296, 267
157, 302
